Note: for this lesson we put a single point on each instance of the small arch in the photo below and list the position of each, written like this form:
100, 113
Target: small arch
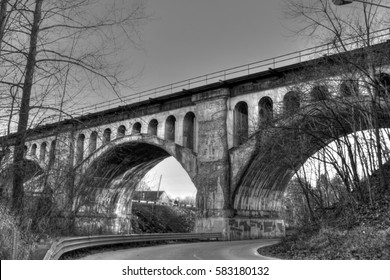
319, 93
382, 88
106, 136
170, 124
42, 152
93, 142
80, 148
136, 128
152, 128
121, 131
266, 110
33, 151
52, 151
240, 123
189, 126
291, 102
349, 88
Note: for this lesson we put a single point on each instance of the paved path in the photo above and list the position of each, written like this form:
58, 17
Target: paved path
216, 250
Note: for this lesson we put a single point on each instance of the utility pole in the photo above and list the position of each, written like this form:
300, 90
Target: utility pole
158, 190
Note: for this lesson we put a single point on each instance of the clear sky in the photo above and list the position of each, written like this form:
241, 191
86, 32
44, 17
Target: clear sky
189, 38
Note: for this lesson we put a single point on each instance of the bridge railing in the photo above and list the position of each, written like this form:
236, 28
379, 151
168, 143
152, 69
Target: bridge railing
376, 37
239, 71
68, 244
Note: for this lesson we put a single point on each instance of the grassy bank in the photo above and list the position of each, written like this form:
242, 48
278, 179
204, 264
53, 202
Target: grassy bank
346, 233
149, 218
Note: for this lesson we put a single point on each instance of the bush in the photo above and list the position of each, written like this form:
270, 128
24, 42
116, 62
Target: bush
8, 229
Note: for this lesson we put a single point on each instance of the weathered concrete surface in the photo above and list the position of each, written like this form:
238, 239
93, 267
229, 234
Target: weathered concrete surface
239, 228
213, 166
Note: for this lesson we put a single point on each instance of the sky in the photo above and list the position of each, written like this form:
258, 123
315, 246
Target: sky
188, 38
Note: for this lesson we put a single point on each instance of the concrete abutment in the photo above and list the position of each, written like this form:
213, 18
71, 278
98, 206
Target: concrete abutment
215, 195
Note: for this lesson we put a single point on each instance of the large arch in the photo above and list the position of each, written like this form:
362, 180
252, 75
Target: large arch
109, 176
278, 153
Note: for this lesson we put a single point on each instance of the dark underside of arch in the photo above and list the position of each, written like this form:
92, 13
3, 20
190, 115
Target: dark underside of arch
284, 148
119, 159
112, 178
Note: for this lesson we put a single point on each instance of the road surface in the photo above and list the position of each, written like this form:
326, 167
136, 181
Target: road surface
215, 250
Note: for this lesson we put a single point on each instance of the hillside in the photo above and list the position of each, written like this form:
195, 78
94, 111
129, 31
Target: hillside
344, 233
149, 218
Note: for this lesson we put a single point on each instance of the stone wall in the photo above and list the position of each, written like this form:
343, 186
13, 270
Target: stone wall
241, 228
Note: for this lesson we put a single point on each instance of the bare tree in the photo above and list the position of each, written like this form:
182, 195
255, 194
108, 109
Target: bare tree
52, 47
361, 65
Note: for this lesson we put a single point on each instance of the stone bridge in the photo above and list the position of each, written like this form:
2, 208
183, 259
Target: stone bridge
237, 139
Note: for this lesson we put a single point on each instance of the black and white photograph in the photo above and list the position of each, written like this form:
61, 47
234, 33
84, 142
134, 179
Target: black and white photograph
248, 136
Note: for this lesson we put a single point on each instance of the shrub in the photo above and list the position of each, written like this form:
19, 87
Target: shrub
8, 229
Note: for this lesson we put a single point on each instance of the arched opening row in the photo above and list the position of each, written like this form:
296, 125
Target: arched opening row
45, 152
189, 126
292, 102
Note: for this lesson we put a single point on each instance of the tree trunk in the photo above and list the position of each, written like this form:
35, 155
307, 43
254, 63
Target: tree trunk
3, 17
18, 172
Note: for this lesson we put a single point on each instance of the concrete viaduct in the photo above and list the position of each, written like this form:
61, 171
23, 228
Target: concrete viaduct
233, 138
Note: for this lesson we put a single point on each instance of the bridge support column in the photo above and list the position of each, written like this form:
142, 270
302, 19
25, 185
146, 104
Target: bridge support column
212, 179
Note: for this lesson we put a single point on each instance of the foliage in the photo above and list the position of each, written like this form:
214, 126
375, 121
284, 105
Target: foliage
10, 228
343, 232
50, 52
149, 218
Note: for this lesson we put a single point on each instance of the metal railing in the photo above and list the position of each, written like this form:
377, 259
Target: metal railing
68, 244
239, 71
352, 43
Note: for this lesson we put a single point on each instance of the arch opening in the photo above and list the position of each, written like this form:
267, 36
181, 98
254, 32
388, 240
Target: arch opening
121, 131
189, 131
52, 152
320, 93
170, 128
240, 123
349, 88
152, 128
382, 88
33, 151
42, 152
80, 148
136, 128
291, 102
266, 110
93, 142
106, 136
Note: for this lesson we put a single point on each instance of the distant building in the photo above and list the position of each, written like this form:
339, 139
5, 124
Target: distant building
159, 197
